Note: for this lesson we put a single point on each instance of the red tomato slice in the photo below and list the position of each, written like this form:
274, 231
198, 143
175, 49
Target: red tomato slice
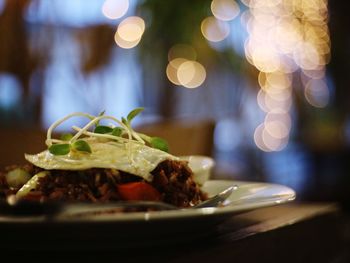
138, 191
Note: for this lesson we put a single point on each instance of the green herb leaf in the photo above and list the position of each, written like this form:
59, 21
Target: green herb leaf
103, 129
117, 131
99, 115
82, 146
133, 113
159, 143
66, 136
124, 121
59, 149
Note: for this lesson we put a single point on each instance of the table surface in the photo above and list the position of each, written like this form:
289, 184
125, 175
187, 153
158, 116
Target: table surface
294, 232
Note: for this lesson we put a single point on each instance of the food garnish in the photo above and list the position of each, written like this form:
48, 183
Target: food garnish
114, 146
103, 162
69, 143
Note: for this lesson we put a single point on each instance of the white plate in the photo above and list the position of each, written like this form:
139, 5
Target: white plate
137, 228
247, 196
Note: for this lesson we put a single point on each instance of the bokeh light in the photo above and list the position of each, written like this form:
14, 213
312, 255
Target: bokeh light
273, 143
280, 116
129, 32
258, 138
123, 43
182, 69
306, 56
225, 9
114, 9
171, 70
214, 30
191, 74
131, 28
286, 38
317, 93
267, 142
277, 129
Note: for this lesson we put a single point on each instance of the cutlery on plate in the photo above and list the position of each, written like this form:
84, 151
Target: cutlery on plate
32, 208
129, 206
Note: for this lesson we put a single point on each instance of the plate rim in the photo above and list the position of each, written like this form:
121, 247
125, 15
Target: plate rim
230, 209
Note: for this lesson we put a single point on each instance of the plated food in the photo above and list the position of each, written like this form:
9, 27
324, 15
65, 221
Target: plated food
102, 163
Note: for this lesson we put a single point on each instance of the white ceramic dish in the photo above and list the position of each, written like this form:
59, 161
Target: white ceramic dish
138, 228
247, 196
201, 166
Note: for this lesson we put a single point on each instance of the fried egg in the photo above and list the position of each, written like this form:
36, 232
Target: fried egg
134, 158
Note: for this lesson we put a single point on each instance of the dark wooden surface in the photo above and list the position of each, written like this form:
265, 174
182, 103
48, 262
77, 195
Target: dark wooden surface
295, 232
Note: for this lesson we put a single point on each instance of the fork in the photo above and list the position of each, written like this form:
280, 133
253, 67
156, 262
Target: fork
129, 206
51, 209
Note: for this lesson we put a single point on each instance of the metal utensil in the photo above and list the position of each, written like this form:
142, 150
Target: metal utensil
50, 209
218, 199
78, 209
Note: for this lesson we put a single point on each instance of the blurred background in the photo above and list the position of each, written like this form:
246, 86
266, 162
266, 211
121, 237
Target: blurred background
261, 85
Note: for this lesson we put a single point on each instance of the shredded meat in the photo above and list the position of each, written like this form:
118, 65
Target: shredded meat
173, 180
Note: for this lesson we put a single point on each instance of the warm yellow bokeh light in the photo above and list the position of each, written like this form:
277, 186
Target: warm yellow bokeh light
266, 20
273, 143
260, 98
274, 82
214, 30
279, 80
131, 28
288, 65
264, 4
282, 103
258, 138
114, 9
261, 33
125, 44
171, 70
277, 129
279, 115
269, 102
278, 94
265, 59
176, 62
266, 142
225, 10
191, 74
129, 32
286, 38
287, 34
314, 74
306, 56
182, 51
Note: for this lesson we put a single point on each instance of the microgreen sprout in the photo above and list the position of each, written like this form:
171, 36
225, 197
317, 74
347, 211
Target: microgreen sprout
103, 129
156, 142
81, 146
133, 114
59, 149
121, 133
65, 148
66, 136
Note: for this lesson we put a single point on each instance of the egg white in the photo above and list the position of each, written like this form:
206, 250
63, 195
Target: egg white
133, 158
